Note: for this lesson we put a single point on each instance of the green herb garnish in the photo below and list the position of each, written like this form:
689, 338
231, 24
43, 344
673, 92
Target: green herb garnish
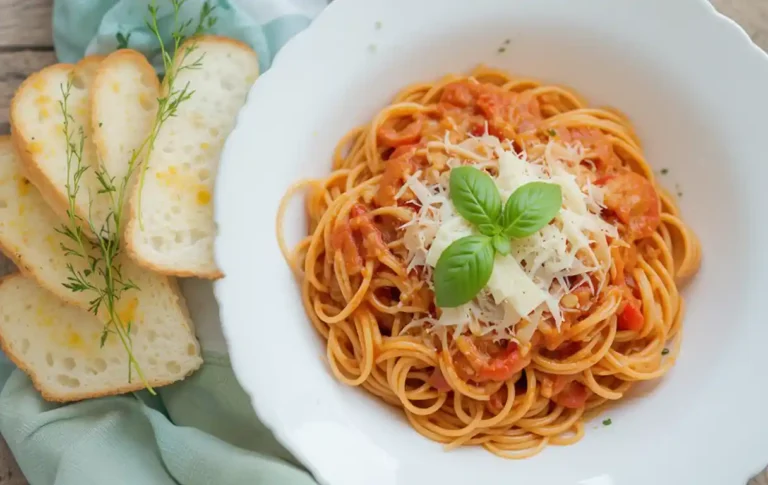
463, 270
476, 198
122, 40
103, 277
665, 351
551, 132
530, 208
607, 422
173, 96
664, 171
465, 266
206, 20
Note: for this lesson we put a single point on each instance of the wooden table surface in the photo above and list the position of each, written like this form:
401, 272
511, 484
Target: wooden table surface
26, 45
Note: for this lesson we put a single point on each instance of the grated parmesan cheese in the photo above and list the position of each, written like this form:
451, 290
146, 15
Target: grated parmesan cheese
527, 285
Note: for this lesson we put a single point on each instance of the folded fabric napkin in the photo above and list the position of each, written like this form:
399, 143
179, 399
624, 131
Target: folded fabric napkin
199, 431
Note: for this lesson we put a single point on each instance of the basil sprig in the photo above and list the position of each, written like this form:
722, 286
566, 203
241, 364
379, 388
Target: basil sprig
465, 266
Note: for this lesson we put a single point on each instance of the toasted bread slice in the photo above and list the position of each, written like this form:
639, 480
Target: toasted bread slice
172, 230
58, 345
37, 124
29, 236
123, 109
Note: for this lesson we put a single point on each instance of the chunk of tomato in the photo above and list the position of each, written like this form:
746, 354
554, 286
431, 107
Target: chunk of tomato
572, 395
499, 367
634, 200
630, 317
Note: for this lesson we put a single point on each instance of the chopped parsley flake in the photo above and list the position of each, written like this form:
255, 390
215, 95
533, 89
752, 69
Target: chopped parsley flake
378, 25
664, 171
507, 41
607, 422
665, 351
552, 132
502, 50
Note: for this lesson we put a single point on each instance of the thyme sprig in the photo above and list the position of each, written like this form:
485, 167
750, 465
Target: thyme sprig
100, 273
102, 276
174, 63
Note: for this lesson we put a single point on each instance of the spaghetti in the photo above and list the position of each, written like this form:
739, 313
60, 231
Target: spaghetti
483, 379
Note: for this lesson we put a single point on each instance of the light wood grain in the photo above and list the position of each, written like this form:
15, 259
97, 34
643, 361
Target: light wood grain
750, 14
14, 68
10, 474
25, 24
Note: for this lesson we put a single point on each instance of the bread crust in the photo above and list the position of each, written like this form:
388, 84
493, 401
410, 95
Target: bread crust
53, 194
115, 59
133, 226
6, 143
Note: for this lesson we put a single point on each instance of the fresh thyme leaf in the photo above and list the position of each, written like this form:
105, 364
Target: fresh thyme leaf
607, 422
122, 42
551, 132
664, 171
665, 351
206, 20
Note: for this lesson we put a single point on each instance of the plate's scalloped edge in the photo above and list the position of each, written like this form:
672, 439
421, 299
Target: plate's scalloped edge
297, 48
294, 51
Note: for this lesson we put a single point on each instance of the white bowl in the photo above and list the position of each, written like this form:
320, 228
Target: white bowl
696, 89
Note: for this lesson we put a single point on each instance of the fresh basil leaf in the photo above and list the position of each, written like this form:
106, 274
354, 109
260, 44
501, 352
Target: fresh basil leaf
501, 244
531, 207
463, 270
476, 198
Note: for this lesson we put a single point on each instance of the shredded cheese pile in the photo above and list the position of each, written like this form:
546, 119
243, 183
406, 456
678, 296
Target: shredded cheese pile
527, 285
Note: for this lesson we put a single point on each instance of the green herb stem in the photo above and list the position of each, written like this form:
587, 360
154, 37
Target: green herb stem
172, 98
101, 255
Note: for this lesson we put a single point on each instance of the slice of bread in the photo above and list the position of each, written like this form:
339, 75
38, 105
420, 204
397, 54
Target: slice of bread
28, 236
123, 108
37, 127
58, 345
175, 231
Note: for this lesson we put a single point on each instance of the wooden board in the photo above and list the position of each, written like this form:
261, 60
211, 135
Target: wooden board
25, 24
16, 66
750, 14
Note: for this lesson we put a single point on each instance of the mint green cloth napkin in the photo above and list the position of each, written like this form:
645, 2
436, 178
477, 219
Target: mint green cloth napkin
200, 431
